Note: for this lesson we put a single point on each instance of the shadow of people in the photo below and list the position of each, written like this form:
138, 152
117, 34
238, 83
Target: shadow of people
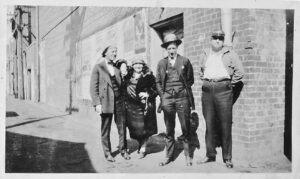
155, 144
30, 154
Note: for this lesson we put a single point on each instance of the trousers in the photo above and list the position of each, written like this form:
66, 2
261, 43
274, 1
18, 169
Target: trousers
120, 120
172, 104
217, 102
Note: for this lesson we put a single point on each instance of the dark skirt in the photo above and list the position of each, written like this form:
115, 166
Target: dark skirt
141, 126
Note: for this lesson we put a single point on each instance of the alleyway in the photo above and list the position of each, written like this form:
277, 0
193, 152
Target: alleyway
42, 139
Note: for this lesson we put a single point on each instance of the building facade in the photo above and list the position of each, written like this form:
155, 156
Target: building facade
52, 62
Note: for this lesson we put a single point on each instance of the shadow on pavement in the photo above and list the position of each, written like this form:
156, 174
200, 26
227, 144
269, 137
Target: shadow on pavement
29, 122
155, 144
29, 154
11, 114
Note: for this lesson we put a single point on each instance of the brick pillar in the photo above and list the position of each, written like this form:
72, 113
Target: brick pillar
259, 113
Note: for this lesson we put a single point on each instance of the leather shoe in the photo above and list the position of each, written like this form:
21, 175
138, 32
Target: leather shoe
228, 163
142, 155
165, 162
126, 156
110, 158
206, 160
188, 161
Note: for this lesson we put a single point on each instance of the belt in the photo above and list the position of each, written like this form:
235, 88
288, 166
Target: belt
173, 92
216, 80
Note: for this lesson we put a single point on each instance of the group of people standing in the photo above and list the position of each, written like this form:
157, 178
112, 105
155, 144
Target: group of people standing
129, 93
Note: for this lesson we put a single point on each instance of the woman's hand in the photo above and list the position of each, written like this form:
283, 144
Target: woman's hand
143, 95
123, 69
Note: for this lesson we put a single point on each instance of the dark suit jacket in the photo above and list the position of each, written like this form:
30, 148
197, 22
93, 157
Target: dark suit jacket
185, 71
101, 87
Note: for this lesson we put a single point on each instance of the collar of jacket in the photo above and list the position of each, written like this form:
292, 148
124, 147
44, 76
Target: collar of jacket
107, 78
224, 50
178, 62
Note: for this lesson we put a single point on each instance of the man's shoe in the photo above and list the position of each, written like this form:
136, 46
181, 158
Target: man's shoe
228, 163
166, 162
126, 156
206, 160
188, 161
110, 158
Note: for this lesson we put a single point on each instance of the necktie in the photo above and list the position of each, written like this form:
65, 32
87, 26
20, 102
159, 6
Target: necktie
111, 63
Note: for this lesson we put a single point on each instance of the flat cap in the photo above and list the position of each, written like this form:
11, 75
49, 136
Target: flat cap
218, 33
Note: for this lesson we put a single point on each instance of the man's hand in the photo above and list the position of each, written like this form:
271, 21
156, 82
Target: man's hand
98, 109
193, 110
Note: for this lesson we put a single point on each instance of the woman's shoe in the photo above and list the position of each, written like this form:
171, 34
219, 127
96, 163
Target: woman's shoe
165, 162
188, 161
125, 155
142, 155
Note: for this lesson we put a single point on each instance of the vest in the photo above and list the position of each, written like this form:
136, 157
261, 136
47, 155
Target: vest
173, 80
115, 86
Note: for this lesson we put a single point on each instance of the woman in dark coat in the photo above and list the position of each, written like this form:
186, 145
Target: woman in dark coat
140, 104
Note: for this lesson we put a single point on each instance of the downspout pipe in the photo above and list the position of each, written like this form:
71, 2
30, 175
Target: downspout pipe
38, 97
226, 24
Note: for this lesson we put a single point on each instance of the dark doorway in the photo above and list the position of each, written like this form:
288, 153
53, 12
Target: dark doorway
289, 83
173, 24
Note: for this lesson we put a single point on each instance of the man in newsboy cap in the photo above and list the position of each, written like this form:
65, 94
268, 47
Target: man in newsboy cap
174, 79
220, 71
108, 101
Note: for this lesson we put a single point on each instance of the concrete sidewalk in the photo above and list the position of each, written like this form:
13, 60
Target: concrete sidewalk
40, 138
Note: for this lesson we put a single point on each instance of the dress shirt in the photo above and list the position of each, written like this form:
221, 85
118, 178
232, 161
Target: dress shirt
214, 67
110, 68
172, 61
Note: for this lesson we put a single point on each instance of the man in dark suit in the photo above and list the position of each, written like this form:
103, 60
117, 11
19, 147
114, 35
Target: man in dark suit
173, 81
108, 99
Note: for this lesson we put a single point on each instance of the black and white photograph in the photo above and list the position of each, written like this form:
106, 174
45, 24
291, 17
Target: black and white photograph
162, 89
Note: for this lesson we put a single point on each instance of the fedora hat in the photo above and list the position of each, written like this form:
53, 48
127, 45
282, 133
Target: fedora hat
170, 38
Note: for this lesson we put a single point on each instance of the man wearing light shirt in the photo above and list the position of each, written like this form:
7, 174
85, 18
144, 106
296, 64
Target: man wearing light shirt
220, 71
108, 100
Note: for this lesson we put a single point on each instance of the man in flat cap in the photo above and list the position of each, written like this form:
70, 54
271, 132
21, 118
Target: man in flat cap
173, 81
221, 70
